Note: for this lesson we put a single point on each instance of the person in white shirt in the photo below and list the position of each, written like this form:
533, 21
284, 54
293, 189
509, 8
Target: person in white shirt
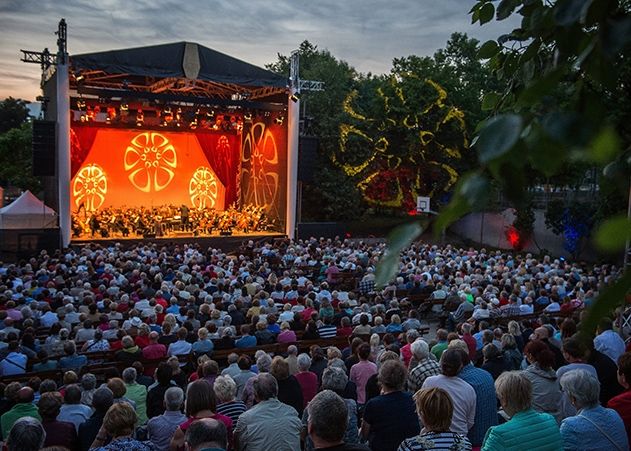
607, 341
181, 346
462, 394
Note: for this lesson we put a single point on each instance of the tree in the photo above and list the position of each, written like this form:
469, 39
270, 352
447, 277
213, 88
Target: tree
16, 157
565, 100
13, 113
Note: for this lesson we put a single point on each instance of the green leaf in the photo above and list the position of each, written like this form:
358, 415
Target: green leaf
609, 299
490, 101
453, 211
612, 235
488, 49
486, 13
475, 189
506, 8
569, 12
498, 136
605, 145
400, 238
617, 35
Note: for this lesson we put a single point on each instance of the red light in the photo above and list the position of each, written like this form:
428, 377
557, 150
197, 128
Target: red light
512, 235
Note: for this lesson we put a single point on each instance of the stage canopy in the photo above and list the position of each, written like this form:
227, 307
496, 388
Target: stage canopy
183, 68
27, 212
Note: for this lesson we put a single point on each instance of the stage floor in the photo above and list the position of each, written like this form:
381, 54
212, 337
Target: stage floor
226, 243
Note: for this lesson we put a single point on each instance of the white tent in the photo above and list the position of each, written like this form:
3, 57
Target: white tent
27, 212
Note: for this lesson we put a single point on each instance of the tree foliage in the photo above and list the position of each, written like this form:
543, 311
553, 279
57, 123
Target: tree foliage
16, 157
13, 113
565, 69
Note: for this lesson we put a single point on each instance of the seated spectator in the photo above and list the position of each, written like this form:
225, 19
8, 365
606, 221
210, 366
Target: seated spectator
130, 352
545, 389
270, 424
58, 433
72, 411
245, 373
206, 434
289, 390
361, 372
200, 403
327, 420
161, 428
88, 387
595, 427
203, 345
308, 380
137, 393
226, 391
96, 344
425, 367
622, 402
14, 362
246, 340
439, 348
608, 341
119, 426
154, 350
181, 346
263, 335
286, 335
462, 394
328, 329
44, 364
27, 434
494, 361
101, 402
311, 331
378, 328
526, 426
23, 407
346, 329
512, 356
435, 410
391, 417
364, 326
292, 359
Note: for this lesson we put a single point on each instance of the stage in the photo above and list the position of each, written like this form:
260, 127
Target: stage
225, 243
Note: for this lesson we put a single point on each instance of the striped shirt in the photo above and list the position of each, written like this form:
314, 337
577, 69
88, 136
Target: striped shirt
232, 409
436, 441
327, 331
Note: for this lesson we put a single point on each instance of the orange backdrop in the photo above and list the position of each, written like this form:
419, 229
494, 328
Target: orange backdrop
135, 168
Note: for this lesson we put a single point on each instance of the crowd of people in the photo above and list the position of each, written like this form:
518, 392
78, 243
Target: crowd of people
502, 365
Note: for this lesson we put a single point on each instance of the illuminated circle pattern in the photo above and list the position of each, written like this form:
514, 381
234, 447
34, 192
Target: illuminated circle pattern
203, 188
260, 167
150, 160
90, 187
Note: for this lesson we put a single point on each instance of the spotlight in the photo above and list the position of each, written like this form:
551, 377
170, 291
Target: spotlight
80, 104
247, 117
279, 120
111, 114
178, 117
295, 97
140, 118
79, 78
124, 106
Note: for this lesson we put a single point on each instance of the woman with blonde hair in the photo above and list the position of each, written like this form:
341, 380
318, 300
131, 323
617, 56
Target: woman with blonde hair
526, 428
118, 429
435, 410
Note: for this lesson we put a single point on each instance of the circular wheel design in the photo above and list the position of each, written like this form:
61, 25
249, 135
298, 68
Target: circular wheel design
150, 160
260, 167
203, 188
90, 187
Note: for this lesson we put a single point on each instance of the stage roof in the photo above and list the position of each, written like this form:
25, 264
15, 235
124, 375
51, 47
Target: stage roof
180, 67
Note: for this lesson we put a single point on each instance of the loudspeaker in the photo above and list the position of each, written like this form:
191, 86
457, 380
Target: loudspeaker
307, 155
44, 144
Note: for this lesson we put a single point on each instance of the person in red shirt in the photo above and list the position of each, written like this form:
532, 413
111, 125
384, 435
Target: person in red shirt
154, 350
622, 402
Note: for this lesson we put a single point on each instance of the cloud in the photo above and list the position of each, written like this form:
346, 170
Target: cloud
367, 34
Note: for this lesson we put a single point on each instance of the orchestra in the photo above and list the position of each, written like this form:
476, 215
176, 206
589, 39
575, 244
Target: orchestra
165, 221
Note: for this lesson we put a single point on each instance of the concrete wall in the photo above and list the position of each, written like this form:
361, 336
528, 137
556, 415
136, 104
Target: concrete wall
490, 229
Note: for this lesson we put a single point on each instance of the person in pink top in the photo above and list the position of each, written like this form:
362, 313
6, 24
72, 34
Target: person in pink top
154, 350
308, 380
286, 335
361, 372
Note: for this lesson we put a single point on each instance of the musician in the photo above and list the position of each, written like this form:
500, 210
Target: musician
184, 217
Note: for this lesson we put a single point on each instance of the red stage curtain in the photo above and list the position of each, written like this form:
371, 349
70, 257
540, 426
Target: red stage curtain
223, 153
81, 140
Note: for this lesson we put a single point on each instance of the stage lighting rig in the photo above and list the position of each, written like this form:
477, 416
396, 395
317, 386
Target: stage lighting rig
140, 118
279, 120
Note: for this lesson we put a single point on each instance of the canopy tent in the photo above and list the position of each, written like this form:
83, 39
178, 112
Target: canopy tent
27, 212
160, 68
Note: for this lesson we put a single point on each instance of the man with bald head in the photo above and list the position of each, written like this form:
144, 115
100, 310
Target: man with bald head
23, 407
206, 434
154, 350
